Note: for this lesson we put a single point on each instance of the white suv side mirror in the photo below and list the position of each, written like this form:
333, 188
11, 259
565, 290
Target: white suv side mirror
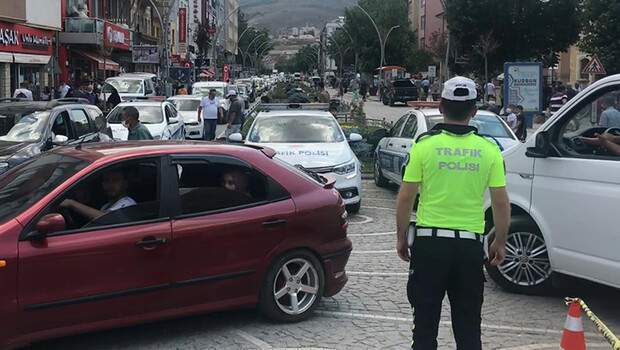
354, 137
60, 139
236, 137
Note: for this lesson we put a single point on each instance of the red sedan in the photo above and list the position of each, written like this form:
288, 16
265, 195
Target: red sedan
107, 235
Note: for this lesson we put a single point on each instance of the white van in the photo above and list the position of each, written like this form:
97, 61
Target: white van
565, 195
134, 85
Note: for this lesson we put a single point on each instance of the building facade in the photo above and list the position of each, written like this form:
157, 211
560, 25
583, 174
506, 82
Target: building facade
231, 28
27, 35
427, 19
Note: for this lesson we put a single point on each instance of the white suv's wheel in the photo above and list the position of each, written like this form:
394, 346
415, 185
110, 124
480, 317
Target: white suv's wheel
527, 268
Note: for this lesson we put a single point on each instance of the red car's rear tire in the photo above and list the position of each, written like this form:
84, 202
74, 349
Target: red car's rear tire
297, 276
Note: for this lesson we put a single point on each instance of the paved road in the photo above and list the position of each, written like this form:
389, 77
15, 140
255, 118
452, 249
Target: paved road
377, 110
370, 313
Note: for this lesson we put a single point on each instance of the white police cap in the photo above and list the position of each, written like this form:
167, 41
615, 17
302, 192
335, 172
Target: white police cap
459, 89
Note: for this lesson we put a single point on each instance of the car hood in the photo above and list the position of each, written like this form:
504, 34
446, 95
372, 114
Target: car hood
312, 155
507, 143
119, 132
7, 149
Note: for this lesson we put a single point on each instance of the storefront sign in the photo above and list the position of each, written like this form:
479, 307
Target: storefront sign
523, 84
182, 25
23, 39
116, 36
145, 54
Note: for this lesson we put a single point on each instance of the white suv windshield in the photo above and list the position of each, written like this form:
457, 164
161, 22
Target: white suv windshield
127, 86
147, 114
25, 127
204, 90
296, 129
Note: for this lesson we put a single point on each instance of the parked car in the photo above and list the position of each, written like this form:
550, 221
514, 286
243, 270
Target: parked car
187, 245
131, 86
393, 150
399, 90
28, 128
564, 194
307, 135
187, 106
161, 118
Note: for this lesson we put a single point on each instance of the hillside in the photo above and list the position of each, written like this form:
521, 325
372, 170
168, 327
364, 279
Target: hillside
280, 14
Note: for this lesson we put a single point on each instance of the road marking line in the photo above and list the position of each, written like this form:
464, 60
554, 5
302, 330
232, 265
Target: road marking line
373, 251
371, 234
444, 323
367, 219
255, 341
364, 273
382, 208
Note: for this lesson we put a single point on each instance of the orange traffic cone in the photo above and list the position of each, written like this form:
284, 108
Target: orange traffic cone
573, 337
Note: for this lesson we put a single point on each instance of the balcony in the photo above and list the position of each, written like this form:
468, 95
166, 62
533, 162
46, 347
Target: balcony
79, 30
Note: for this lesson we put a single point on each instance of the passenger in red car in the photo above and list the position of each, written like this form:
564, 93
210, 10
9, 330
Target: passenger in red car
114, 183
235, 180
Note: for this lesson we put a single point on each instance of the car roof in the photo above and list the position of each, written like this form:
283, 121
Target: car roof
93, 152
210, 83
141, 103
38, 105
185, 97
431, 112
128, 77
294, 113
139, 74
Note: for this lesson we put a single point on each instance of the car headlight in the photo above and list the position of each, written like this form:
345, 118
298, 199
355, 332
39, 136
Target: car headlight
345, 169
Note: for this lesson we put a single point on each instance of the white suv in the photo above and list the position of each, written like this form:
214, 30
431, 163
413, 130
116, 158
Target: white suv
565, 196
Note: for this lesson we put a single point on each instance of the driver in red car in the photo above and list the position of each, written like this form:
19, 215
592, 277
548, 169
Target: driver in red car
114, 183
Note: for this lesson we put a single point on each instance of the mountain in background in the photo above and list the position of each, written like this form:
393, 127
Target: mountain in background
279, 15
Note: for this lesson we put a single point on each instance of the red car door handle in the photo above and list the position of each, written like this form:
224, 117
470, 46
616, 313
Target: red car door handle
274, 222
151, 242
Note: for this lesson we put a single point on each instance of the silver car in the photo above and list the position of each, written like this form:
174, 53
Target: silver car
392, 151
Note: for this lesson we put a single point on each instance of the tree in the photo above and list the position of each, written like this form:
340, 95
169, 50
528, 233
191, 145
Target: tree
523, 29
600, 34
485, 46
386, 13
341, 49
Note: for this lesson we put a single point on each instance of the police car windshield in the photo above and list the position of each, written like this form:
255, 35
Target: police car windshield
296, 129
488, 125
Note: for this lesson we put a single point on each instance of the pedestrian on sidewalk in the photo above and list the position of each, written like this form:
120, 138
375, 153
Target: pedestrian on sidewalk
436, 90
210, 110
558, 100
451, 167
489, 90
323, 94
520, 127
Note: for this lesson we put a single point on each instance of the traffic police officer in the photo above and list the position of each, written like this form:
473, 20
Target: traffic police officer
452, 166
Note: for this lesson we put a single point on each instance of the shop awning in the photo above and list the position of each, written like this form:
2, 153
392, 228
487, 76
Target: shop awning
102, 62
6, 57
31, 59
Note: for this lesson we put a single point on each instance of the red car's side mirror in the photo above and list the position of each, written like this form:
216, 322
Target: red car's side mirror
50, 223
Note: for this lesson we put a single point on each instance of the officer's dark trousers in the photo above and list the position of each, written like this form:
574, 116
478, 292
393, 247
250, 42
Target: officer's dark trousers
440, 266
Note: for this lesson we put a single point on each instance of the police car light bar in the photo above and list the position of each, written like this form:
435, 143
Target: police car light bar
423, 104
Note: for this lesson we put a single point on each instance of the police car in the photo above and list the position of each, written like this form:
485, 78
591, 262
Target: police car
393, 149
309, 136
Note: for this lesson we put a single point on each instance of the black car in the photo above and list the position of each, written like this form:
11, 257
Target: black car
400, 90
28, 128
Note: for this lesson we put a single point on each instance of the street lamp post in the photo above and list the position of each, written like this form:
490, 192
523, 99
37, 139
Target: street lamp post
385, 44
378, 34
218, 31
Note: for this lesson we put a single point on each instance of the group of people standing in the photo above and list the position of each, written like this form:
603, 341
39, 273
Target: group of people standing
211, 111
